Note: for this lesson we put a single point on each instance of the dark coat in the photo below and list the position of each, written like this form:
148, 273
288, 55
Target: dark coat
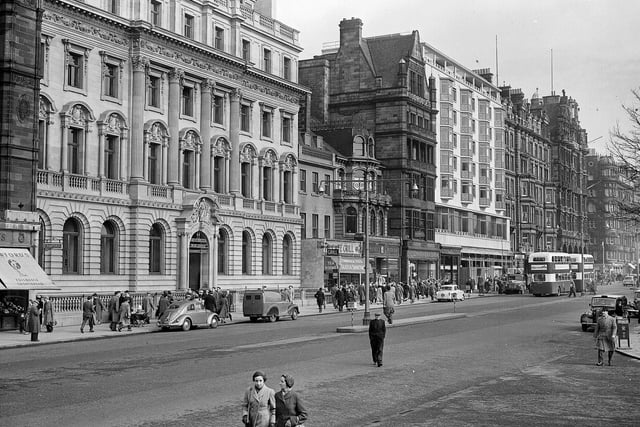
210, 303
99, 307
87, 309
319, 297
114, 309
289, 407
377, 328
33, 319
340, 296
163, 304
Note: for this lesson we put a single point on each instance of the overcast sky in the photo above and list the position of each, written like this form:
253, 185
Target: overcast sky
596, 57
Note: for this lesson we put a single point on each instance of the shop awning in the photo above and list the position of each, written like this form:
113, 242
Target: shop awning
20, 271
351, 265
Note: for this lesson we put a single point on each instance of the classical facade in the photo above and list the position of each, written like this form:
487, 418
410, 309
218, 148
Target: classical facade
530, 199
168, 145
470, 224
378, 84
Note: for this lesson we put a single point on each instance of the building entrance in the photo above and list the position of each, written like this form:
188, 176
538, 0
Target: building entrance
198, 260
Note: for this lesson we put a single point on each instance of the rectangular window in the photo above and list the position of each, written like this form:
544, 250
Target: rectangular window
245, 177
267, 182
266, 58
314, 182
187, 101
218, 109
156, 12
327, 227
113, 6
110, 80
74, 70
218, 38
267, 117
74, 147
188, 26
245, 118
286, 68
286, 129
303, 229
187, 166
111, 157
153, 91
303, 180
246, 50
314, 226
327, 185
154, 165
218, 174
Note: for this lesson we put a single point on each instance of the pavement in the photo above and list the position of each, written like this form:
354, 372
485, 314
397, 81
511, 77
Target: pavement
13, 339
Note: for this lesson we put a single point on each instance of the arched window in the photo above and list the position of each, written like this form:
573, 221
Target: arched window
41, 239
108, 248
156, 249
71, 247
223, 252
381, 224
287, 255
246, 252
267, 255
372, 223
351, 223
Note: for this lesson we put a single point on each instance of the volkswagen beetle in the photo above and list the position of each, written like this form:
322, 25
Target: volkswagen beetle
187, 314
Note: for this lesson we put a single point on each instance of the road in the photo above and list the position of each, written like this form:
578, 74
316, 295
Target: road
513, 360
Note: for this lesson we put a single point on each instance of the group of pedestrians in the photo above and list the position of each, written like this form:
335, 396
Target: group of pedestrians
39, 314
264, 407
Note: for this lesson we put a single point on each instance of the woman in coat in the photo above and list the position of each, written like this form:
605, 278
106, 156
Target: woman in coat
33, 320
224, 307
290, 411
259, 404
125, 314
320, 299
99, 307
47, 314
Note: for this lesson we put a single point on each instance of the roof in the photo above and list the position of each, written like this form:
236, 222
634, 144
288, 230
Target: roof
387, 51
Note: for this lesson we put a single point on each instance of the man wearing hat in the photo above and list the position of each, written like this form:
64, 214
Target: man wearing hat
377, 332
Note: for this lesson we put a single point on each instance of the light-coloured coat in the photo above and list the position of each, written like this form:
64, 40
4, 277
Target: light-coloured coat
260, 406
605, 333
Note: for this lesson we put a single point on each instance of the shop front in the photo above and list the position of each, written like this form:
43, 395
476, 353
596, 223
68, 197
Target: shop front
20, 279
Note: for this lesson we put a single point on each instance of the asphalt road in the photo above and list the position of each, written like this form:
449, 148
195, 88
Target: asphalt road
516, 360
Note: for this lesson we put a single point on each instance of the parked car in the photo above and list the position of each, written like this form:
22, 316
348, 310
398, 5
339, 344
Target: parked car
515, 284
598, 304
450, 293
268, 305
187, 314
635, 311
629, 281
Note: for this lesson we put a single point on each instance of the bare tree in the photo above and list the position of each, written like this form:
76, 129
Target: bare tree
624, 148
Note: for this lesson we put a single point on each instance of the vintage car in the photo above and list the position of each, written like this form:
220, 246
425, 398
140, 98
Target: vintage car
187, 314
629, 281
267, 305
515, 284
450, 293
598, 304
635, 310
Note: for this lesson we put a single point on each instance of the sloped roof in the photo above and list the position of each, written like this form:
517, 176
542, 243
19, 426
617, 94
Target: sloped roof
386, 53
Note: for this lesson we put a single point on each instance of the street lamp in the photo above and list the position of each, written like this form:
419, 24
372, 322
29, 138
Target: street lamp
367, 314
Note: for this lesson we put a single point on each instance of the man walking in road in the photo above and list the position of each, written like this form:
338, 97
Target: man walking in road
572, 289
605, 336
88, 311
377, 332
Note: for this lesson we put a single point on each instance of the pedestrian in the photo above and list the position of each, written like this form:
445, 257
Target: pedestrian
320, 299
33, 320
341, 296
114, 311
99, 308
605, 334
572, 289
388, 305
259, 403
88, 312
289, 408
148, 307
210, 302
223, 307
163, 304
47, 314
377, 332
125, 313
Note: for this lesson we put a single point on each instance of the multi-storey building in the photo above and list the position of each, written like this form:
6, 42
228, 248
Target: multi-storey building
471, 225
566, 187
168, 145
530, 201
613, 238
379, 84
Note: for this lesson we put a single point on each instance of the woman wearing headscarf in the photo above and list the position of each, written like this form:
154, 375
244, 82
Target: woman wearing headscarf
290, 411
259, 404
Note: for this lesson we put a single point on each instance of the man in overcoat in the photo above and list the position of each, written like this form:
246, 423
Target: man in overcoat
114, 311
33, 320
377, 332
148, 307
604, 335
88, 311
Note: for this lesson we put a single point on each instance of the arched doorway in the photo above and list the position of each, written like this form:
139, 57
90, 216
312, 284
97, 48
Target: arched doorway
198, 260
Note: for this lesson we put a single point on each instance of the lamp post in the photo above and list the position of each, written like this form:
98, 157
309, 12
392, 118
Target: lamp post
367, 314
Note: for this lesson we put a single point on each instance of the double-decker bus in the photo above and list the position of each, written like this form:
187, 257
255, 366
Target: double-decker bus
549, 273
582, 271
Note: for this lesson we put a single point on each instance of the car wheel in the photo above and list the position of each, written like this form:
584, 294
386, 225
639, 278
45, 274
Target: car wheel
272, 317
214, 322
165, 329
186, 325
461, 297
294, 314
585, 328
253, 319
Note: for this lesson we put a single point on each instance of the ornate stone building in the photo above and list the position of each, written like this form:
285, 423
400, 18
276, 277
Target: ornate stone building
168, 145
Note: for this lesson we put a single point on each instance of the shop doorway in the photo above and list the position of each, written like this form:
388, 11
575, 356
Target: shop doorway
198, 260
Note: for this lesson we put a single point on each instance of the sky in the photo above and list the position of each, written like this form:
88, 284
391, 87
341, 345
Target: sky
596, 58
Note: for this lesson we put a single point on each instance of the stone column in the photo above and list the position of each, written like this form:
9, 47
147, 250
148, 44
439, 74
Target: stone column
145, 156
234, 139
281, 197
205, 134
175, 81
214, 261
123, 164
294, 186
183, 282
138, 93
165, 149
